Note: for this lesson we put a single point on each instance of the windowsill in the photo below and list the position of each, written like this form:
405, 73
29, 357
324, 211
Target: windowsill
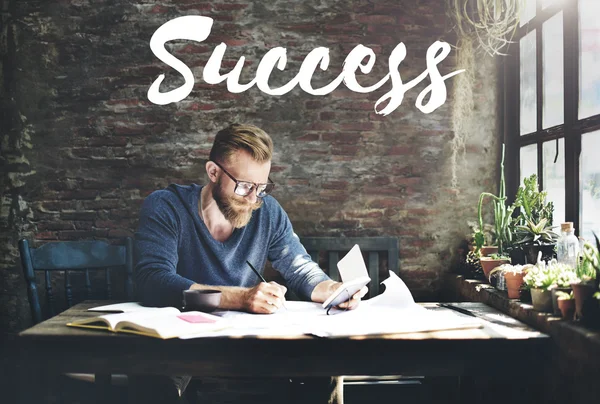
572, 339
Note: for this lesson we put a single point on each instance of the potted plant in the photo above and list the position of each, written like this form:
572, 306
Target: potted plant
565, 276
487, 247
502, 226
566, 304
539, 279
488, 264
513, 276
533, 226
585, 288
535, 238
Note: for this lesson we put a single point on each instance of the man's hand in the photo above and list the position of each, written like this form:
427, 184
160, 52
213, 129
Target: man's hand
324, 289
265, 298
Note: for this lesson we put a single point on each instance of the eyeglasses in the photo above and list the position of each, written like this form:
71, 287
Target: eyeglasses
243, 188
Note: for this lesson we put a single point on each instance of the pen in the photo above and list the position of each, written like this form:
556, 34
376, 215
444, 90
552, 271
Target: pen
458, 309
262, 278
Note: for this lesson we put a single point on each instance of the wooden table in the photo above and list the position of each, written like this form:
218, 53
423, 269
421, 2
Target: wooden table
58, 348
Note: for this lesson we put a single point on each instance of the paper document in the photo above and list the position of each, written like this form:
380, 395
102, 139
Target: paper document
352, 266
128, 307
354, 275
392, 312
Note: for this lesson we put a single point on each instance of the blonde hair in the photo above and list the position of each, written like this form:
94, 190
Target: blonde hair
237, 137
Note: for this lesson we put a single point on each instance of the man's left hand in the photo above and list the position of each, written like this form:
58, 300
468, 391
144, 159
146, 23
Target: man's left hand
324, 289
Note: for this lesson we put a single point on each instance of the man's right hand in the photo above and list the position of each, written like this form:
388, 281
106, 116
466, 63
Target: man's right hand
265, 298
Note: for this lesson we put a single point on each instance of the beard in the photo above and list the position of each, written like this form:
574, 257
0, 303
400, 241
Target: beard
237, 211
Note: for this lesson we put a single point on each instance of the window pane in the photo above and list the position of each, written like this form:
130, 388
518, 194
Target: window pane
552, 48
528, 85
590, 185
528, 161
527, 11
589, 58
554, 177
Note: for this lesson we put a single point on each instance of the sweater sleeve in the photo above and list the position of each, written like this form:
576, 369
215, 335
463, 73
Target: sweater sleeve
289, 257
156, 242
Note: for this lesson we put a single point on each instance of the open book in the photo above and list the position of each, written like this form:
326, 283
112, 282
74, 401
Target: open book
164, 323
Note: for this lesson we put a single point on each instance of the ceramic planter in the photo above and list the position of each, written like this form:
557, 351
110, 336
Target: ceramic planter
583, 293
567, 308
555, 308
514, 280
541, 300
488, 264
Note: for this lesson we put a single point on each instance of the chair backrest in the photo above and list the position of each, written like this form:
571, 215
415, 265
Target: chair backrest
335, 247
74, 256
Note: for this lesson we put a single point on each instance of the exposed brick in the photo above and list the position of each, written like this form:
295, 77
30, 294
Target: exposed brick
78, 215
230, 6
376, 19
83, 145
345, 150
55, 226
309, 137
313, 104
119, 233
358, 126
79, 194
387, 203
75, 234
327, 115
46, 235
342, 138
336, 185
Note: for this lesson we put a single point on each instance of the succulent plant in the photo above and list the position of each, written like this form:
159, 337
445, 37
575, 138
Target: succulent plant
535, 233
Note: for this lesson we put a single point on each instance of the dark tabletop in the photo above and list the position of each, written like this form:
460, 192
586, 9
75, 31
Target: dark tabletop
53, 345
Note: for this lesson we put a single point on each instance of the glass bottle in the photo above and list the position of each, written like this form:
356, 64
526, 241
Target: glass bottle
567, 247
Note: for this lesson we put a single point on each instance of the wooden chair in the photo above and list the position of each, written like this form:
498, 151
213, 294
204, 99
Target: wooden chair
70, 257
327, 251
334, 248
73, 260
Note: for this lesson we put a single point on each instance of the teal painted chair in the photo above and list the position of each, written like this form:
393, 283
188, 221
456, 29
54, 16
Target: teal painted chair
90, 270
75, 257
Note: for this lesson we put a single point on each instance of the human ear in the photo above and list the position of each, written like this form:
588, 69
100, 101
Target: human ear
211, 170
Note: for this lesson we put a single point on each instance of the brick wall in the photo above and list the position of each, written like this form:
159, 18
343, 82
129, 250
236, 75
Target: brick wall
82, 145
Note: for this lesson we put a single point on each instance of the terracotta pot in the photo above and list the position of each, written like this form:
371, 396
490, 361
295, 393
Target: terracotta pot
541, 300
567, 308
514, 280
583, 293
488, 249
488, 264
555, 308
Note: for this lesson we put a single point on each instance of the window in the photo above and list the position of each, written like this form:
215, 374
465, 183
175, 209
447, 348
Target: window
552, 108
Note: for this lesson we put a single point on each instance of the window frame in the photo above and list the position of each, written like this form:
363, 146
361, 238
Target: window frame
571, 129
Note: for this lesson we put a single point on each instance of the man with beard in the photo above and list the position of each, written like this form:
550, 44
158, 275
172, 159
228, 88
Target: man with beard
200, 237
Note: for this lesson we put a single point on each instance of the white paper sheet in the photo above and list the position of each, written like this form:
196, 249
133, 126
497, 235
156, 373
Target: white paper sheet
392, 312
121, 307
352, 266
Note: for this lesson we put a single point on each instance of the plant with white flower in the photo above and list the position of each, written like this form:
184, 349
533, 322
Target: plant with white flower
542, 275
565, 275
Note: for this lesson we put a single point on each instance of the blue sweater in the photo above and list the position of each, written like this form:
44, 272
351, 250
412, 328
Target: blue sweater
174, 249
